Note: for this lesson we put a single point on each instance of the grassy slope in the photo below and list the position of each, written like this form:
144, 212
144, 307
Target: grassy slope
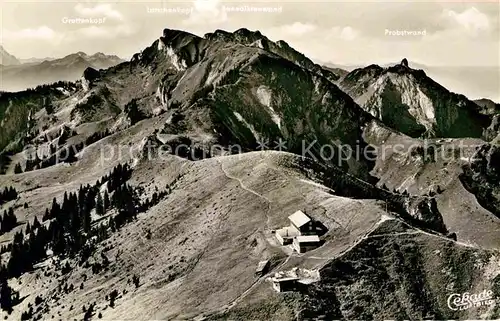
206, 243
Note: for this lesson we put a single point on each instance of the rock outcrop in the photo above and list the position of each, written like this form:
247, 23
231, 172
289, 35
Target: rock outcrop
408, 101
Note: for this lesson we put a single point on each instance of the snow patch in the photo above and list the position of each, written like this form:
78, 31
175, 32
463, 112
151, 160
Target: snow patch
409, 181
264, 95
426, 105
316, 184
250, 127
64, 91
385, 217
420, 106
211, 77
258, 44
317, 84
161, 45
179, 64
85, 84
160, 93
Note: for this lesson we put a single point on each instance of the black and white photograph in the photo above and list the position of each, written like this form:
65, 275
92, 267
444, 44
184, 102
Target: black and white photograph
256, 160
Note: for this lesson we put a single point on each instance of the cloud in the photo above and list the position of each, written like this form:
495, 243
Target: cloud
42, 33
98, 11
206, 12
298, 29
345, 33
472, 20
106, 32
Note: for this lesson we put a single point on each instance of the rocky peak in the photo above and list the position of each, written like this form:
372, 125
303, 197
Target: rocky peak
91, 74
217, 34
409, 101
88, 77
182, 49
247, 36
176, 37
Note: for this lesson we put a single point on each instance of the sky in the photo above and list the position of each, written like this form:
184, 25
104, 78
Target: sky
447, 33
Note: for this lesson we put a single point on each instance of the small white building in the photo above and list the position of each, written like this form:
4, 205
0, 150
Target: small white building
301, 223
304, 243
284, 284
262, 268
286, 234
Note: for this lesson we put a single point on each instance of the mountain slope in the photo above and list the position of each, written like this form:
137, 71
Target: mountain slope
199, 256
34, 60
436, 167
407, 100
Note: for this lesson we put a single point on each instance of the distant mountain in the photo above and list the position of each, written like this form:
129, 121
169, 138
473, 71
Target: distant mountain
34, 60
472, 81
488, 105
409, 101
340, 72
7, 59
69, 68
341, 67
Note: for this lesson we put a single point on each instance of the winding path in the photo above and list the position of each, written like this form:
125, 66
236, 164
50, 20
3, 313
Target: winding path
243, 186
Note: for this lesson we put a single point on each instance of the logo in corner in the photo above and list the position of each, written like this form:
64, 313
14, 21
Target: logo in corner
464, 301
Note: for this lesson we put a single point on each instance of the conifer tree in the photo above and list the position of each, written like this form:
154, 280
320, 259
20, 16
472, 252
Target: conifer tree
36, 224
106, 200
5, 292
18, 169
99, 205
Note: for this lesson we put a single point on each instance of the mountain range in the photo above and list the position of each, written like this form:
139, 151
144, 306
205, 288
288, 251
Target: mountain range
21, 74
152, 189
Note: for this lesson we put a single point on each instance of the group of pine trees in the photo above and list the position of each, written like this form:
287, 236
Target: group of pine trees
96, 137
26, 250
8, 194
68, 229
68, 224
125, 201
47, 104
8, 297
7, 221
118, 176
